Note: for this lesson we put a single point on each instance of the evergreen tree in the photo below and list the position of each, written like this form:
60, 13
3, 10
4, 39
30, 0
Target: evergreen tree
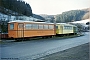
18, 6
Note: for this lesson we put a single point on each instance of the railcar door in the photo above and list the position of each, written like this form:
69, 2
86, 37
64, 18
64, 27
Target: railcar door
20, 30
61, 29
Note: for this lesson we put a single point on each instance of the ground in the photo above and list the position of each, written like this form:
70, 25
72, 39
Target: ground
76, 53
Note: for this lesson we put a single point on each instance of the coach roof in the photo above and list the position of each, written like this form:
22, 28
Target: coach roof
21, 21
64, 24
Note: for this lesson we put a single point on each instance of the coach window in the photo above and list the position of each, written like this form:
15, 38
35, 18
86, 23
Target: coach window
64, 27
56, 27
67, 27
70, 27
50, 26
45, 26
28, 26
11, 26
35, 26
40, 26
20, 25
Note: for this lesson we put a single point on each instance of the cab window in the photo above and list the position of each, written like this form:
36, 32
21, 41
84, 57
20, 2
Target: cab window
56, 27
11, 26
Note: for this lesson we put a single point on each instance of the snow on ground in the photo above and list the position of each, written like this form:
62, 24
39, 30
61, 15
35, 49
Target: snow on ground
82, 21
4, 17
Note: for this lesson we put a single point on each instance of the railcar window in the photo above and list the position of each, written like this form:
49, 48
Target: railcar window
40, 26
50, 26
35, 26
28, 26
68, 27
20, 26
11, 26
45, 26
57, 27
65, 27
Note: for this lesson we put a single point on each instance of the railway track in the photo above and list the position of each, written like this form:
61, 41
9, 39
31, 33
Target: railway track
40, 38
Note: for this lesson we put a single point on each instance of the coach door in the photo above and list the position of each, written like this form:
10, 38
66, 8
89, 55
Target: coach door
61, 29
20, 30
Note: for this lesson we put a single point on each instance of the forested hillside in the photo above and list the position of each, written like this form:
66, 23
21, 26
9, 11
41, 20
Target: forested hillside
49, 18
87, 14
38, 17
18, 6
69, 16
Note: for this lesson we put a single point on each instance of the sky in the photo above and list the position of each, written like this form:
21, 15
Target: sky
54, 7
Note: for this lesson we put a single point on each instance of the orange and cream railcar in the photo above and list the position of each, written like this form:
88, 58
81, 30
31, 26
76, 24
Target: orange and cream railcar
24, 29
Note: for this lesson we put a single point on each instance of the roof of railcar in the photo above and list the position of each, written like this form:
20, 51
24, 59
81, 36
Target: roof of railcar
64, 24
21, 21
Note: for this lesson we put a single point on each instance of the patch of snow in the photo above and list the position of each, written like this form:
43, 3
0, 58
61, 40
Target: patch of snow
82, 21
4, 17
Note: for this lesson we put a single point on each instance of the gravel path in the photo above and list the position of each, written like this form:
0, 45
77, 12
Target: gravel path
76, 53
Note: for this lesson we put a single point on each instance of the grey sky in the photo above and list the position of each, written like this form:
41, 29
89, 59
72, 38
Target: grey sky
53, 7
